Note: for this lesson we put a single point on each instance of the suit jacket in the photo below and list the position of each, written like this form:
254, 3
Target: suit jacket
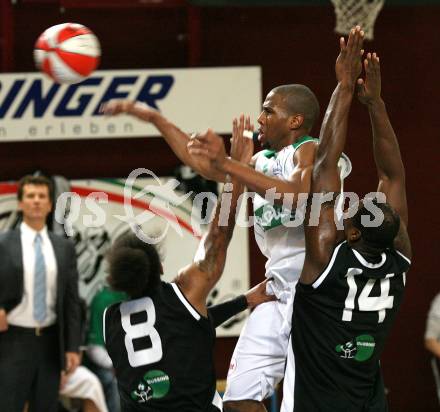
67, 305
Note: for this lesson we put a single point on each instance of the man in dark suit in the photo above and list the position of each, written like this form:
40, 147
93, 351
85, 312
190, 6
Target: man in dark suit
39, 305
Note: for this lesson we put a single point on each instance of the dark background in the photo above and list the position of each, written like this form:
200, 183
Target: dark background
293, 44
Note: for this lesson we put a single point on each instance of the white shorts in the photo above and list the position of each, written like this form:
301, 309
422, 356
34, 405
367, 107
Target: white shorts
289, 381
84, 384
259, 359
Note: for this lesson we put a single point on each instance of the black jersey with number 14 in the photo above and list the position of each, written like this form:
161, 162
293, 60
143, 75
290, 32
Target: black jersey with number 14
340, 325
161, 349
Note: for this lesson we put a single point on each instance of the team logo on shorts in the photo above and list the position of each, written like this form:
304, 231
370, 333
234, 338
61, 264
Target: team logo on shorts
360, 348
155, 384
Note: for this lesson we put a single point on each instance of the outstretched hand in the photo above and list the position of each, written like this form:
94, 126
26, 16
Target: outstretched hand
210, 145
258, 295
348, 64
242, 147
368, 90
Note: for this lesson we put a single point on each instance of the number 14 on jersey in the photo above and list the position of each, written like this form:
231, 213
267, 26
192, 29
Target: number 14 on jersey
365, 302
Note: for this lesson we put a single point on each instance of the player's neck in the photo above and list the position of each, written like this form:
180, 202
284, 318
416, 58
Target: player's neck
370, 253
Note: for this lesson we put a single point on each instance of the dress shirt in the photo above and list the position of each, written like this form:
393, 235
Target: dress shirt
22, 314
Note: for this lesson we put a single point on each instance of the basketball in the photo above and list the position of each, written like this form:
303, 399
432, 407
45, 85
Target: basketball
67, 52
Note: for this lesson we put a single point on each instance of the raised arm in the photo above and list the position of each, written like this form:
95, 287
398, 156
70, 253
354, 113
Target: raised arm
389, 164
212, 147
321, 237
176, 138
197, 279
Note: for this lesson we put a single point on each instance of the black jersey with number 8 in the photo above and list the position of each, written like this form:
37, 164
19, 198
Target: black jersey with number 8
162, 351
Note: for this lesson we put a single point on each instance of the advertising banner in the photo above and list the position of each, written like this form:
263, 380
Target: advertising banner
33, 107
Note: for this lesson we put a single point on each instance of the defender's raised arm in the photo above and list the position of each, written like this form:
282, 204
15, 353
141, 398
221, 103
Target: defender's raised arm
389, 164
321, 238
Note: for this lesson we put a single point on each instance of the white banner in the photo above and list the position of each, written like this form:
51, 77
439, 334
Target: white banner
102, 210
33, 107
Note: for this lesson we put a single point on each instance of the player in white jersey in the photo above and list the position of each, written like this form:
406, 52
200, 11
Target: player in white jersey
283, 246
288, 115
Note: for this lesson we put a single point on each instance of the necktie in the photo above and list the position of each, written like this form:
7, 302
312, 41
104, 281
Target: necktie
39, 281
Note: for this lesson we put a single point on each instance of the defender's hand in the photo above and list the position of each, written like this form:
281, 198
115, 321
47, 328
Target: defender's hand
368, 90
208, 144
258, 295
348, 64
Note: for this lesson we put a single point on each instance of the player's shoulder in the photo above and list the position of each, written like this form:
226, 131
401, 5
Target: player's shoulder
303, 151
403, 262
265, 153
112, 308
305, 144
261, 157
342, 253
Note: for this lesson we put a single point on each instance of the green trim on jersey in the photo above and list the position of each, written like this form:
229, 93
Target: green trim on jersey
303, 140
268, 154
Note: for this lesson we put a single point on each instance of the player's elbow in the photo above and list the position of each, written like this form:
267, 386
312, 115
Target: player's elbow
392, 179
213, 269
396, 176
392, 173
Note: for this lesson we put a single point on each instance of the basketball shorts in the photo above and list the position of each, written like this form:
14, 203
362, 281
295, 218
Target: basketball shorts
259, 358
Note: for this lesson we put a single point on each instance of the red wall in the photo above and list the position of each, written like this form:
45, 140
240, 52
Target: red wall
293, 45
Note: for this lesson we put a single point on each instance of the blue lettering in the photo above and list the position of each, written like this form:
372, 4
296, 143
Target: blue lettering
10, 97
34, 95
83, 101
112, 91
145, 95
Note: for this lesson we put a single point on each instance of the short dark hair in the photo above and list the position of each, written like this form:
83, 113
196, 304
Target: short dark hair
134, 266
35, 180
382, 236
300, 99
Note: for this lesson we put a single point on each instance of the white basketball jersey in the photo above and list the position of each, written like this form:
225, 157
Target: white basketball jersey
279, 232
